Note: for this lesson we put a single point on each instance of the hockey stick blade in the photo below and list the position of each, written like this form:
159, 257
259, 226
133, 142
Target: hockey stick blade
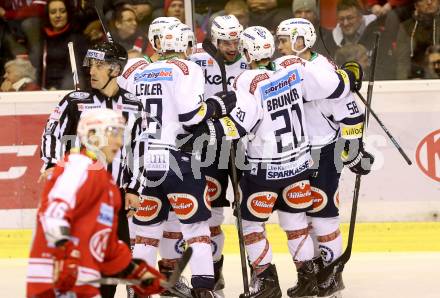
99, 8
167, 284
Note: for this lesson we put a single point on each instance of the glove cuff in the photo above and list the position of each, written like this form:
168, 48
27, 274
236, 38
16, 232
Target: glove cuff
212, 132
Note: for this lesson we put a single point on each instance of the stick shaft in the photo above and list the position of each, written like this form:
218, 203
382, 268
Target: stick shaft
73, 65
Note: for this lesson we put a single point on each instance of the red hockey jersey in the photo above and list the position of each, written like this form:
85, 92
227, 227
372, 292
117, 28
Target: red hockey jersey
82, 194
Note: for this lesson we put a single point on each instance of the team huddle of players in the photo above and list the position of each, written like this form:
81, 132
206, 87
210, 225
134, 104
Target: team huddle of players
296, 121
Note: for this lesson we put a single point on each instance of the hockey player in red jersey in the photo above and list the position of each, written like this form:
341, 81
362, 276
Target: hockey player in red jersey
76, 236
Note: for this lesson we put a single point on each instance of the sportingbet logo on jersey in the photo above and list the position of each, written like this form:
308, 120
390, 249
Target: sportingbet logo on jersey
159, 74
281, 85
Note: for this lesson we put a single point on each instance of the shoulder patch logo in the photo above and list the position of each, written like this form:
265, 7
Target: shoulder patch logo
132, 68
79, 95
258, 78
183, 67
292, 61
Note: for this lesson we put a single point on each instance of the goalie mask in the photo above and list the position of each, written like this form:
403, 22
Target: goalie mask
298, 27
96, 126
178, 38
225, 28
157, 27
109, 52
258, 42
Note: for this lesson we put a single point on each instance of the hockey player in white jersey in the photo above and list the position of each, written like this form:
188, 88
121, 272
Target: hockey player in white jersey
171, 245
172, 89
270, 111
332, 126
225, 33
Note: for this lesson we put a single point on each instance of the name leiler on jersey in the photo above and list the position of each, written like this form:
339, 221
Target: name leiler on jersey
148, 89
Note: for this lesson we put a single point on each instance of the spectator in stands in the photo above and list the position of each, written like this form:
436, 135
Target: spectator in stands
432, 68
19, 76
415, 36
402, 8
353, 52
239, 9
144, 11
175, 8
268, 13
23, 19
124, 29
307, 9
58, 31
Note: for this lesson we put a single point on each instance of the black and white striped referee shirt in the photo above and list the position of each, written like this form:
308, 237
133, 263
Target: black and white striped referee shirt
59, 135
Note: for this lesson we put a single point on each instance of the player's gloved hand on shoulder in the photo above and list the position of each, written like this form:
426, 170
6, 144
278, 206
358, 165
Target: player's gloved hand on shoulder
66, 260
223, 103
355, 74
201, 135
356, 158
150, 278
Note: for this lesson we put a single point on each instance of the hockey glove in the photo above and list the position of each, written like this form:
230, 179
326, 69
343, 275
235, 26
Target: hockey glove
65, 271
149, 277
357, 159
355, 74
223, 103
201, 134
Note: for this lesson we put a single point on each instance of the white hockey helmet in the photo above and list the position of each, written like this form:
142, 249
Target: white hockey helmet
157, 26
177, 38
298, 27
99, 122
225, 28
258, 42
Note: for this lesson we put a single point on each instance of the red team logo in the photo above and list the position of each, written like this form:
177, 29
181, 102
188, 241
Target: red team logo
298, 195
98, 244
260, 204
214, 188
149, 208
428, 155
319, 199
184, 205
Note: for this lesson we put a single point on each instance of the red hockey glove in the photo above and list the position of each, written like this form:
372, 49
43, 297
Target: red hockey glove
149, 276
65, 270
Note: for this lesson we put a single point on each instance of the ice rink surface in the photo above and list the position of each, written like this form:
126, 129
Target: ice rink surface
367, 275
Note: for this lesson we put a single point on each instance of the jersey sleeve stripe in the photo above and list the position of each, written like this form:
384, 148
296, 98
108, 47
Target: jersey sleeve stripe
340, 89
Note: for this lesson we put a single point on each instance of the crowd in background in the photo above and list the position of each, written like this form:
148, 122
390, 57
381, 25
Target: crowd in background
34, 33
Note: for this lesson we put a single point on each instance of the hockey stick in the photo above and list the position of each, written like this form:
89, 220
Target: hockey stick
99, 8
73, 65
343, 259
212, 51
393, 140
167, 284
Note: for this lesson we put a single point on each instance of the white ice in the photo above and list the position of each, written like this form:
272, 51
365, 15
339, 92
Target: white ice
367, 275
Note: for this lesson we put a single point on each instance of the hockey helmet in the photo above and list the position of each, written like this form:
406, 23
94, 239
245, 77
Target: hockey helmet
157, 27
225, 28
110, 52
177, 38
298, 27
258, 42
94, 126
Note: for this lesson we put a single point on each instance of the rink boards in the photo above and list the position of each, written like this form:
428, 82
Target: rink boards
396, 193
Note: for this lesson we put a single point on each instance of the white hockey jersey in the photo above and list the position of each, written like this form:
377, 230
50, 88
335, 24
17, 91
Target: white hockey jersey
172, 92
211, 71
323, 116
270, 108
134, 65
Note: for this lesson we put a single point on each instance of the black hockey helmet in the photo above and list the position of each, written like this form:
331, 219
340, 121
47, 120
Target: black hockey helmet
110, 52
